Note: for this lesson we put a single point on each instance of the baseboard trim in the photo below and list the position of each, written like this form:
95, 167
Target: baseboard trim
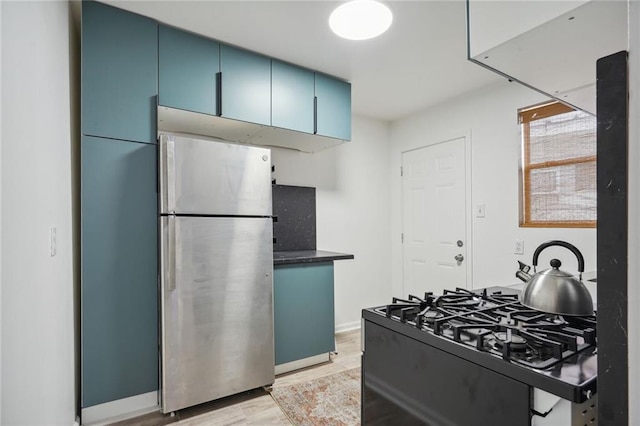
347, 326
302, 363
121, 409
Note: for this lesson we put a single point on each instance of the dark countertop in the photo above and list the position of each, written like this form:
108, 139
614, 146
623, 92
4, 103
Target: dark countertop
307, 256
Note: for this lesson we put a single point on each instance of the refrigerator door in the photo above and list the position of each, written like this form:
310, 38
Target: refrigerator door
216, 308
206, 177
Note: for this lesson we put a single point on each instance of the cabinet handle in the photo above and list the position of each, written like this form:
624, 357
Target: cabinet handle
315, 115
219, 91
171, 255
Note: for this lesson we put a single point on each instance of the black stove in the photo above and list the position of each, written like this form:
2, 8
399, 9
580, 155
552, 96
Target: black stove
486, 332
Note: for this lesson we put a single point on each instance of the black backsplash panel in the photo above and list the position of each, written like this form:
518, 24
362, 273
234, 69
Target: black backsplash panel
295, 207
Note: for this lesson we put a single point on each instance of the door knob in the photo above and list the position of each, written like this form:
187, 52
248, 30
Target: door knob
459, 257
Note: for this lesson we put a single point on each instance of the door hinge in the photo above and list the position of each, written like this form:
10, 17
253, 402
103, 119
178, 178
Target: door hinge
401, 171
402, 238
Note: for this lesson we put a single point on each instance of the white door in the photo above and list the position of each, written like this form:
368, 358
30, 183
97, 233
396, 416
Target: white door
434, 218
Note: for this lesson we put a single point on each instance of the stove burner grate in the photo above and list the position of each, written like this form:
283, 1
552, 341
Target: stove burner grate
496, 323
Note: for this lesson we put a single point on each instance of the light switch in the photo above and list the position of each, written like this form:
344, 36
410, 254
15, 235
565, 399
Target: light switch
480, 210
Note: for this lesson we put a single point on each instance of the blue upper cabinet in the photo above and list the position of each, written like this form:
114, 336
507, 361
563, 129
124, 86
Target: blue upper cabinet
187, 69
333, 115
292, 91
119, 73
245, 86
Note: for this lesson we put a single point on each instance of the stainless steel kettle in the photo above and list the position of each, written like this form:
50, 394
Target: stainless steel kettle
555, 291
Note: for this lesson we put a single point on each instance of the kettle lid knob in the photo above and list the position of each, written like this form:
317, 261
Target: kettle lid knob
555, 263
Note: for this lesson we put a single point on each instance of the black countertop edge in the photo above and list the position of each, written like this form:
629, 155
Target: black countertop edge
307, 256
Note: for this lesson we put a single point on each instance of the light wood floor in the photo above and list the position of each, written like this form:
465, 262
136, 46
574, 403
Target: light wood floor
257, 407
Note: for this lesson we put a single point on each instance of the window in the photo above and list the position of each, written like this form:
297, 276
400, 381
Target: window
558, 167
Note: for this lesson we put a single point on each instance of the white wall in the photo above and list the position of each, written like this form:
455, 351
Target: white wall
490, 115
352, 193
37, 289
633, 320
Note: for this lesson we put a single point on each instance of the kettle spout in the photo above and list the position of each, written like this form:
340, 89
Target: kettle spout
522, 272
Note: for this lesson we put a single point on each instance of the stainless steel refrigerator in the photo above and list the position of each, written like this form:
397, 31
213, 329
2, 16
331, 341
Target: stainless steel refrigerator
216, 270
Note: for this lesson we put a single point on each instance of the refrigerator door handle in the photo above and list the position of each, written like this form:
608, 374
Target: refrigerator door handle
170, 282
167, 175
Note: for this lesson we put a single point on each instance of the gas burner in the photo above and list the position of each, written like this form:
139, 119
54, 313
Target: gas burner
460, 302
431, 316
516, 343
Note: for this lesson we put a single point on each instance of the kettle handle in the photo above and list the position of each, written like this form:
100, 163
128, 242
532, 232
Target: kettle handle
564, 244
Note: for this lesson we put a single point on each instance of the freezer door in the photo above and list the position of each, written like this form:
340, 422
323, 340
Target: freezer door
216, 308
206, 177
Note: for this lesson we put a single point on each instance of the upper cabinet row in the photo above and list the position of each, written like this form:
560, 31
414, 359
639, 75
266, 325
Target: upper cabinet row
131, 64
201, 75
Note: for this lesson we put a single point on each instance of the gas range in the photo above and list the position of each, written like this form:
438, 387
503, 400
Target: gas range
483, 332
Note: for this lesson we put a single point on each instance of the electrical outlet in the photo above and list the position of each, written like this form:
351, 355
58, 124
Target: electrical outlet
518, 247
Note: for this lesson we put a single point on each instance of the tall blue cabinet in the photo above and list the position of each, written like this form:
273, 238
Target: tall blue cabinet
119, 270
119, 332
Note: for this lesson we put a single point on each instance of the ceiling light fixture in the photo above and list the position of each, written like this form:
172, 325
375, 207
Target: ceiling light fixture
360, 19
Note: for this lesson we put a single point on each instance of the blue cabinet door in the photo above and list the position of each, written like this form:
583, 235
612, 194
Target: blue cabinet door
292, 91
304, 323
119, 310
245, 86
333, 115
187, 70
119, 73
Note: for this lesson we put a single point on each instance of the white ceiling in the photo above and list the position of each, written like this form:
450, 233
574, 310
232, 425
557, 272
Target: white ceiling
419, 62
